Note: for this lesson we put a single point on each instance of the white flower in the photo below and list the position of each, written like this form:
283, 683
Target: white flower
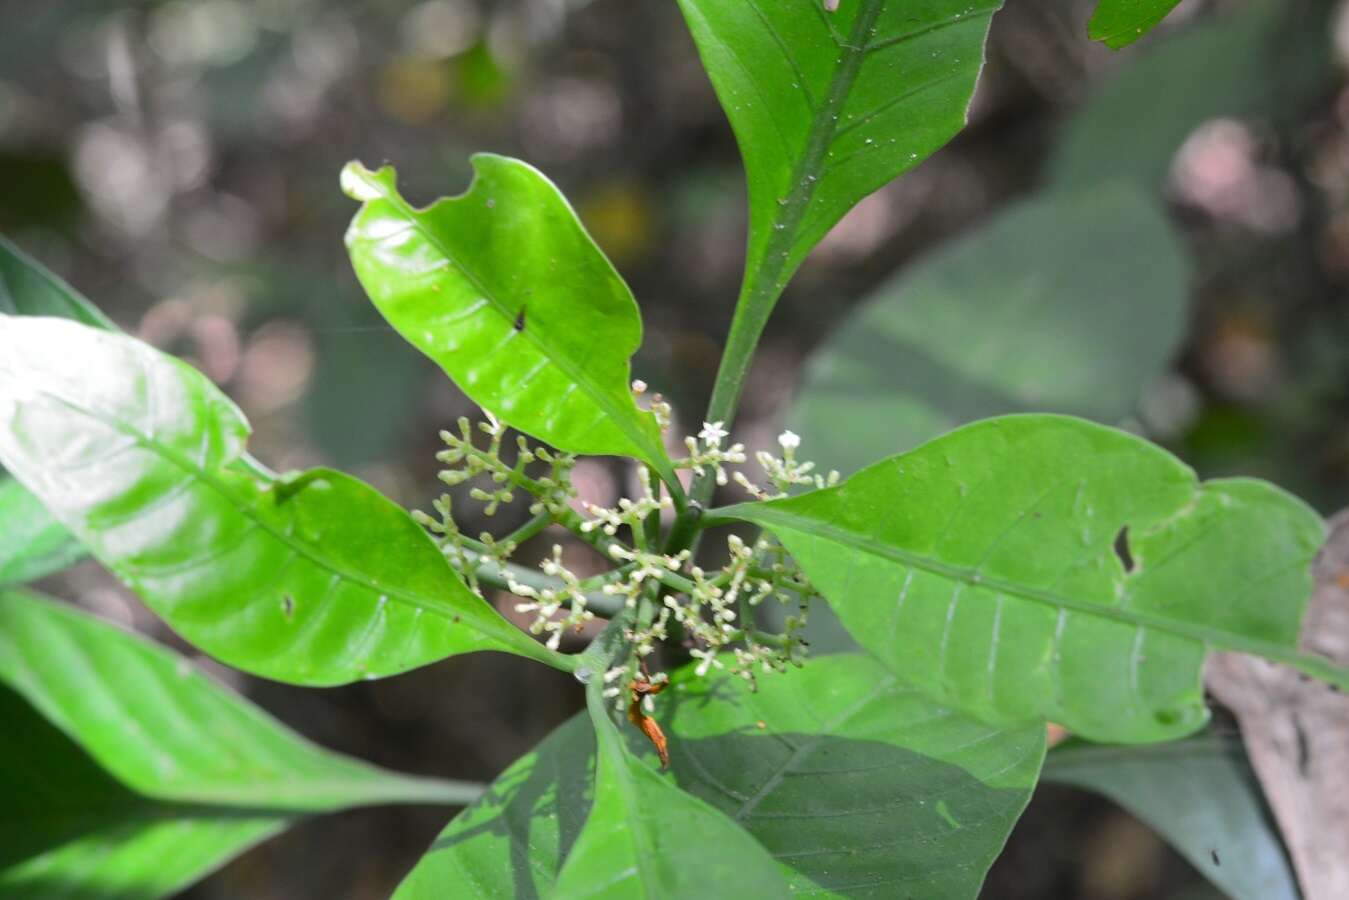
789, 440
713, 434
638, 386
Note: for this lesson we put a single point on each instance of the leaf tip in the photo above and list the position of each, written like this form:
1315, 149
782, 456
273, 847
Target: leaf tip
360, 183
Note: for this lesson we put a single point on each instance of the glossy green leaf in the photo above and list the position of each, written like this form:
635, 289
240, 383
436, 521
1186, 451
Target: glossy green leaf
315, 580
1118, 23
1068, 303
1201, 795
27, 288
852, 782
175, 775
646, 838
68, 829
828, 107
858, 785
513, 840
1035, 567
32, 543
1267, 58
506, 292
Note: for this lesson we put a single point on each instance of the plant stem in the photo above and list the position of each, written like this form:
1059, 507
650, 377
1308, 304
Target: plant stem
500, 575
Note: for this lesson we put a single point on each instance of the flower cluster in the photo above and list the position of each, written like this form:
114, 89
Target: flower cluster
785, 472
547, 603
705, 452
712, 615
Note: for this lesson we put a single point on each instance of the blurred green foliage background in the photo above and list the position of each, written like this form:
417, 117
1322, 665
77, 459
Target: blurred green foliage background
177, 162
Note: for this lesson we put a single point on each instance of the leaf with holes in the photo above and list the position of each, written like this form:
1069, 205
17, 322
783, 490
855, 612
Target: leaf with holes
1199, 794
1118, 23
127, 773
856, 783
314, 580
506, 292
32, 544
929, 352
646, 838
828, 107
1035, 567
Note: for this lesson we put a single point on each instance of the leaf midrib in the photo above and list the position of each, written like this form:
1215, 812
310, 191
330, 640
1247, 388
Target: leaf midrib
468, 617
768, 516
784, 229
620, 417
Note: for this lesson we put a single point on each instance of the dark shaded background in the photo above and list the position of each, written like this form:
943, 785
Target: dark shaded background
177, 162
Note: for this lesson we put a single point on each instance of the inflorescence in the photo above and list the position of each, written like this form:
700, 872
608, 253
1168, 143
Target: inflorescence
712, 614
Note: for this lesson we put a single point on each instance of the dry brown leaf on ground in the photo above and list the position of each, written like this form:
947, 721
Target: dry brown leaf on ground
1296, 729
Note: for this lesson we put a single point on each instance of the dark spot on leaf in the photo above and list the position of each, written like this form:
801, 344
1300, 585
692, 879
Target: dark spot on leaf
520, 320
1304, 755
455, 620
288, 605
1126, 557
1213, 855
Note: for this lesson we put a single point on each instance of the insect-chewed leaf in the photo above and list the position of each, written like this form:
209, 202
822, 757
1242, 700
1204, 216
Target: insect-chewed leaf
506, 292
828, 107
1036, 567
315, 580
1118, 23
127, 773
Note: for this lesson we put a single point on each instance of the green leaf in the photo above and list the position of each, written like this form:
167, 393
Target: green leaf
856, 784
1269, 58
505, 291
878, 773
513, 840
1035, 567
313, 580
28, 289
932, 350
646, 838
1200, 795
828, 107
176, 774
32, 543
1118, 23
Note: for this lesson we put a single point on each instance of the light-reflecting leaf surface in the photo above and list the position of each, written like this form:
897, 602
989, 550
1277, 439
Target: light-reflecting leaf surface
503, 288
129, 774
828, 107
1201, 795
32, 543
1036, 567
1069, 303
315, 580
859, 786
